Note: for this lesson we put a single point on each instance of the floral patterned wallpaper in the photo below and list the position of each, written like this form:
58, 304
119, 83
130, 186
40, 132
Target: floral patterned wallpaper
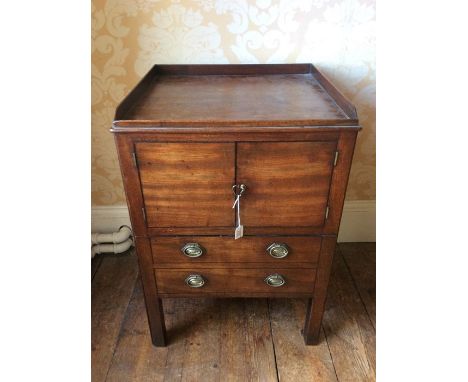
129, 36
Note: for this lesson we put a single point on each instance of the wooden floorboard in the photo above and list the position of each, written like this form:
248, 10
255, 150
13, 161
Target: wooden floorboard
360, 260
111, 290
297, 362
235, 339
135, 358
209, 340
95, 264
246, 347
348, 328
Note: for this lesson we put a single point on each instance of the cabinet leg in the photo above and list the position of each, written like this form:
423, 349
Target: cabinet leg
313, 323
154, 307
155, 313
156, 322
316, 304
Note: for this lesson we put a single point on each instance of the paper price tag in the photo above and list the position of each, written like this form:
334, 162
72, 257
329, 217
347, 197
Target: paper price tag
239, 232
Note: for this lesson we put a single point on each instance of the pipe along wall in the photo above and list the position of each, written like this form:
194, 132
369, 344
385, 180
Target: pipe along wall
115, 242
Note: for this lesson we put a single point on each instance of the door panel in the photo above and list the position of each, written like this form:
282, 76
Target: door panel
287, 182
187, 184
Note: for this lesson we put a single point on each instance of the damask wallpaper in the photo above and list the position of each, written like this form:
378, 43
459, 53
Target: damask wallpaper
129, 36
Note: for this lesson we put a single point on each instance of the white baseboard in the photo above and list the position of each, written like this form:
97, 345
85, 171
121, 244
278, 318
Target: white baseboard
109, 218
357, 223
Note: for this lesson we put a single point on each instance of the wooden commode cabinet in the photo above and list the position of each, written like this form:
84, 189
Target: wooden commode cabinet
235, 177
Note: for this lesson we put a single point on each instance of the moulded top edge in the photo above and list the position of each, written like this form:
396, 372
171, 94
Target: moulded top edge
141, 128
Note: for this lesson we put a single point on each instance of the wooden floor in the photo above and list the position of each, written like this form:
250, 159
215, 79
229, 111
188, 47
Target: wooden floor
234, 339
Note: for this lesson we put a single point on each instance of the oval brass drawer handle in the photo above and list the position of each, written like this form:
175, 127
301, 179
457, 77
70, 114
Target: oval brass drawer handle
278, 250
275, 280
195, 281
192, 250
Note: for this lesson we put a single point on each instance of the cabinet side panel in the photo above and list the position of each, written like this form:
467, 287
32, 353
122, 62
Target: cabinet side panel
131, 182
339, 182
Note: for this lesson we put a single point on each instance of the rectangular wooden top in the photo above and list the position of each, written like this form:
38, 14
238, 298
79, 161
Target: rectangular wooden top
224, 96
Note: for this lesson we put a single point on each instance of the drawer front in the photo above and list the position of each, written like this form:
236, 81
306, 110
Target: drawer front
234, 281
287, 182
188, 250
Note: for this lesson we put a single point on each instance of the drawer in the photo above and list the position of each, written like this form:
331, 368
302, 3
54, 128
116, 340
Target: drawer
188, 250
235, 281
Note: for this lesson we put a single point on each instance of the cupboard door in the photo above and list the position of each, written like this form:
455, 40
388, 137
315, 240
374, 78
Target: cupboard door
287, 182
187, 184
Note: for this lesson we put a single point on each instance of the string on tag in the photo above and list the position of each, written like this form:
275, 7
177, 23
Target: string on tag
239, 231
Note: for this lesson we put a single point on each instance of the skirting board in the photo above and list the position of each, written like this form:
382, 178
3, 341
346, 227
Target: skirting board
357, 223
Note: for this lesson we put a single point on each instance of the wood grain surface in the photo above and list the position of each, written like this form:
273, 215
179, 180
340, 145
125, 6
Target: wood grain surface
235, 280
134, 357
360, 260
245, 98
95, 264
187, 184
111, 289
296, 362
285, 94
167, 250
349, 330
210, 340
287, 182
